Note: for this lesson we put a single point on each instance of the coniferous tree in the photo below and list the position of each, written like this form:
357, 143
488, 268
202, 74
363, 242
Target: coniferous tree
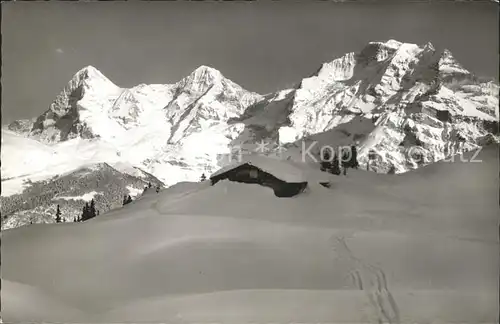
335, 167
58, 215
92, 211
353, 163
86, 212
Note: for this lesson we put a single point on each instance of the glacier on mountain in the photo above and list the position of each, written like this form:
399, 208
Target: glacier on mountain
392, 98
412, 105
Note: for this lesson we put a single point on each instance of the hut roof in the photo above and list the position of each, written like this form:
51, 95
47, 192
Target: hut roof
284, 170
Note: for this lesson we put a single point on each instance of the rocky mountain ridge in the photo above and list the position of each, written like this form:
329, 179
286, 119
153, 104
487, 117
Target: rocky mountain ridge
396, 99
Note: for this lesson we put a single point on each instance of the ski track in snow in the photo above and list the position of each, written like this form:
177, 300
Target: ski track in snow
381, 298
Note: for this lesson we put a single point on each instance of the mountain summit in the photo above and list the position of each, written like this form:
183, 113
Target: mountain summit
154, 127
91, 106
396, 99
62, 121
89, 75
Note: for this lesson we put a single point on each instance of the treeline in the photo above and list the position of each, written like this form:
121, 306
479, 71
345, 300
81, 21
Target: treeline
89, 211
105, 180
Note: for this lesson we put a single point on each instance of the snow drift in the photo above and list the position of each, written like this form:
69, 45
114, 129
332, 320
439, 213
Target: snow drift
372, 248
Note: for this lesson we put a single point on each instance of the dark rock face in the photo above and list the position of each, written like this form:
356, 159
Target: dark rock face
491, 126
64, 119
443, 115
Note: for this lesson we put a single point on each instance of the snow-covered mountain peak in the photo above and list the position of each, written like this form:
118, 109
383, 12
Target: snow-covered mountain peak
201, 79
379, 51
92, 79
205, 69
205, 97
88, 82
91, 106
392, 43
362, 63
86, 91
90, 71
388, 96
429, 47
449, 65
391, 96
340, 69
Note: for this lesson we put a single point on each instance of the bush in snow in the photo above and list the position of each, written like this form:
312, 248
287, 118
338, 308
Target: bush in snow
330, 164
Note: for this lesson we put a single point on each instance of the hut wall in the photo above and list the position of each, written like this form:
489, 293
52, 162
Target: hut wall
247, 173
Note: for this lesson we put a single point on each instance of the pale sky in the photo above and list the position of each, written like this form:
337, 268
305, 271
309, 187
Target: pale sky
263, 46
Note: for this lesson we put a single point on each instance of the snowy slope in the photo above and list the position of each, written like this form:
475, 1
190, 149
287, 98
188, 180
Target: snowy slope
24, 159
367, 250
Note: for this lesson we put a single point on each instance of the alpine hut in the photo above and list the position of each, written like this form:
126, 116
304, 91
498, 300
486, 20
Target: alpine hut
286, 178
